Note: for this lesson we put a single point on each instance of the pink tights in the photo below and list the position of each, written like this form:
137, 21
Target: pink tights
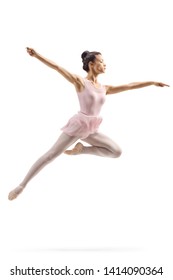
100, 145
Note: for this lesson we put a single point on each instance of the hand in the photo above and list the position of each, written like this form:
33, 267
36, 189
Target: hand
157, 84
31, 51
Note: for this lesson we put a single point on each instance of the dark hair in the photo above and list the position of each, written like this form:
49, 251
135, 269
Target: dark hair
87, 57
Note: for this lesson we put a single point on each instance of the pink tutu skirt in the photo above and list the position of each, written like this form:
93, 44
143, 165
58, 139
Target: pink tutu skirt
82, 125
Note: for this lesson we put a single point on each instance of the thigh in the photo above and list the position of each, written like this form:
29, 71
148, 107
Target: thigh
64, 141
101, 140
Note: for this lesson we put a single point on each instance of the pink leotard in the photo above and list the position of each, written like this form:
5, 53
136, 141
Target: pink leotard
87, 120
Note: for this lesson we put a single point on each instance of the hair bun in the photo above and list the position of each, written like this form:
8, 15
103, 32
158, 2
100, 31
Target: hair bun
84, 54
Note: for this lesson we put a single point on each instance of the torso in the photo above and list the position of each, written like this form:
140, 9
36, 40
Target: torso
91, 98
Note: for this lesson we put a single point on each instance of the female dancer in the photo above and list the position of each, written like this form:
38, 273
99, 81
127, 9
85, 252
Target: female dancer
84, 125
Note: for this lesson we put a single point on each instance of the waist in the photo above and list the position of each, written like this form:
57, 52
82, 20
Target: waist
88, 115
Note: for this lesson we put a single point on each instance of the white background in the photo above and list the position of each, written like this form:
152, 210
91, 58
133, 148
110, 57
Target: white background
86, 211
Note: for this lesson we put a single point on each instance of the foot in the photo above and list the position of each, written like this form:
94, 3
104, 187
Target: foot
76, 150
14, 193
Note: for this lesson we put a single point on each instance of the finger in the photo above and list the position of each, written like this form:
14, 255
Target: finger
165, 85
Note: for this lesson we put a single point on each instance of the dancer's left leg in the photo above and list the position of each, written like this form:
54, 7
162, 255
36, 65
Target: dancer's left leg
100, 145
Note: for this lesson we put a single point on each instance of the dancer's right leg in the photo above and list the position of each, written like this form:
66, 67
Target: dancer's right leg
64, 141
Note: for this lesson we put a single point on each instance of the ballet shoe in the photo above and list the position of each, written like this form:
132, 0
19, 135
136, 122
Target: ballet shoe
14, 193
76, 150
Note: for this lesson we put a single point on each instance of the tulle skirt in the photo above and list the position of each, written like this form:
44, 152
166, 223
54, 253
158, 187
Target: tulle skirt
82, 125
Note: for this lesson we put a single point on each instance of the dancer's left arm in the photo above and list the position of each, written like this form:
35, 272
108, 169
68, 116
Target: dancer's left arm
117, 89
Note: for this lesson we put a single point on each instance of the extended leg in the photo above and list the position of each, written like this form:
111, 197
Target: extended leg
101, 145
63, 142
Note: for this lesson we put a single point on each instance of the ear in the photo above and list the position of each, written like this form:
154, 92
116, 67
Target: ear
90, 64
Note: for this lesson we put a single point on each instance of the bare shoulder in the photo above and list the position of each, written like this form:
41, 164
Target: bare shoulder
79, 83
107, 88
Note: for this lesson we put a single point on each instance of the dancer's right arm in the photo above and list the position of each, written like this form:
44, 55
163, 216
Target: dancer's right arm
72, 78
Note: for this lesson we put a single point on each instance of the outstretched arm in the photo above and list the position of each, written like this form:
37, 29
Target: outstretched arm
74, 79
116, 89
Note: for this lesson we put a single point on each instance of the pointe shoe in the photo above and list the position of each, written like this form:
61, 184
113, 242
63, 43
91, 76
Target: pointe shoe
76, 150
14, 193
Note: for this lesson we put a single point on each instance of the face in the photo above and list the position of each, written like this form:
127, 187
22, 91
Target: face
98, 66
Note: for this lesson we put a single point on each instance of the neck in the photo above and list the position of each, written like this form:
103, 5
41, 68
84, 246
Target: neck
92, 78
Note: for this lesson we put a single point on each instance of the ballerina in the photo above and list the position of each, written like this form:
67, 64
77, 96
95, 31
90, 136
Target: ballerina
85, 124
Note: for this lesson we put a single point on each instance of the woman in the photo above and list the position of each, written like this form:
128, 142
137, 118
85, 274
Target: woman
85, 124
